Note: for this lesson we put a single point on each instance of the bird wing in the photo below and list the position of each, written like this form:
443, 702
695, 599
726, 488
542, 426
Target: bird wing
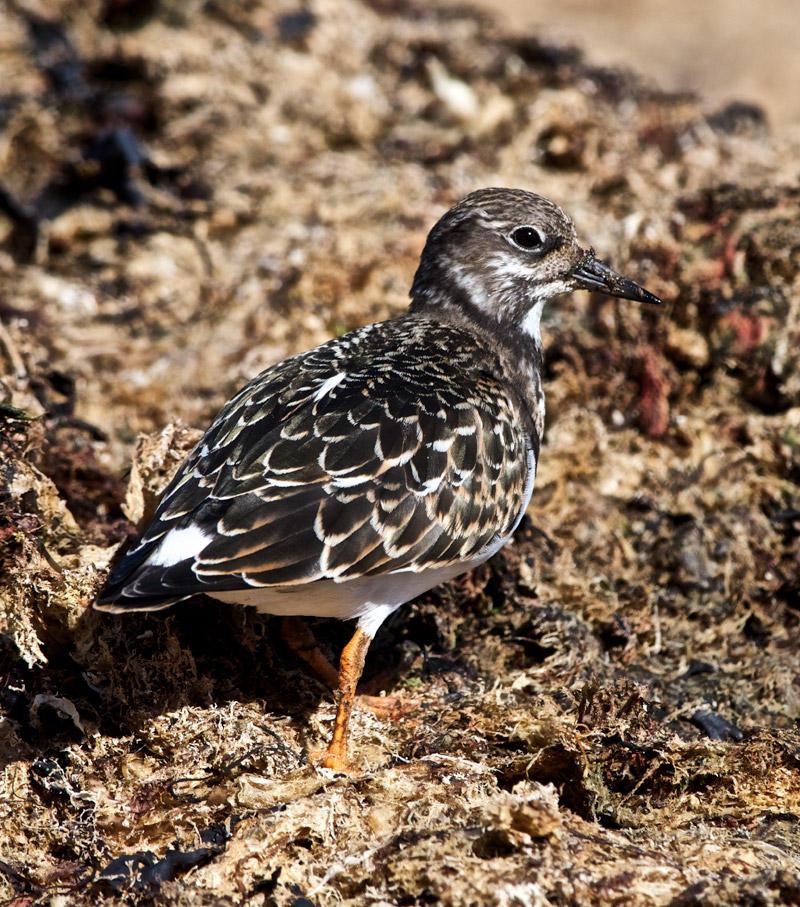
329, 468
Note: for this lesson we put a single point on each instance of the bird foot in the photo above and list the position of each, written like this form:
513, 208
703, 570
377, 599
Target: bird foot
336, 762
389, 708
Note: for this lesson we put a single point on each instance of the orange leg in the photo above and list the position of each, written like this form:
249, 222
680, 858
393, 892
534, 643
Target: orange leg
302, 642
351, 665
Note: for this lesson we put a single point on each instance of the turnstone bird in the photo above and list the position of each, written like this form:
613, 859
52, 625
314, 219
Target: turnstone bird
349, 479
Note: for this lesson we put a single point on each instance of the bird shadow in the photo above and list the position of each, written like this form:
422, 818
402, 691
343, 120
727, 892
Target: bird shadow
115, 675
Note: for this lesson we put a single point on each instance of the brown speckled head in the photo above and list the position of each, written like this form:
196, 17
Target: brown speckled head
502, 253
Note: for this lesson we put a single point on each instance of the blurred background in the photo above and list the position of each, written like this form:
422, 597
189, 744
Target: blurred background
722, 50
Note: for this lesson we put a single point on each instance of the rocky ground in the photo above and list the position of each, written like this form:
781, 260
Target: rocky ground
607, 712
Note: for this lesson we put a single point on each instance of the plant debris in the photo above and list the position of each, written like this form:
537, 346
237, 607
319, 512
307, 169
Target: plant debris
607, 712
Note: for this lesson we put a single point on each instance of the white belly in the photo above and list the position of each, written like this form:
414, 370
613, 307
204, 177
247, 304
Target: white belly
354, 598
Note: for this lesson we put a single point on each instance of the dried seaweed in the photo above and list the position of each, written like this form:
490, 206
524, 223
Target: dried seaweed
605, 713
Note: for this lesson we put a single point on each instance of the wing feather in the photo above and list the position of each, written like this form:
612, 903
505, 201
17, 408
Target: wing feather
306, 476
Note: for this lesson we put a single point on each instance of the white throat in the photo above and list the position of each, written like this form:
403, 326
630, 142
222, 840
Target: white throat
532, 322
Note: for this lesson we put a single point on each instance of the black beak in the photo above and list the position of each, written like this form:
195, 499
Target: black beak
591, 274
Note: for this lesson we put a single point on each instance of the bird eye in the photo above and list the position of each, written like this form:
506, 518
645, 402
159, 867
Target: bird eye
528, 238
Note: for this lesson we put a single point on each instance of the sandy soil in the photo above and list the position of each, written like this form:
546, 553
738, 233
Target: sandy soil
719, 50
607, 712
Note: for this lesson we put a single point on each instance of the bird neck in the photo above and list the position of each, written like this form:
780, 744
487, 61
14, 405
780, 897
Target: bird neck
508, 331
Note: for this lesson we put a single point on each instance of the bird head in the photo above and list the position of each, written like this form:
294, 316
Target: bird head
501, 254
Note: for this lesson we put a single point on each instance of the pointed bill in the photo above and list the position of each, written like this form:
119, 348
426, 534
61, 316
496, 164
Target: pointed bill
591, 274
